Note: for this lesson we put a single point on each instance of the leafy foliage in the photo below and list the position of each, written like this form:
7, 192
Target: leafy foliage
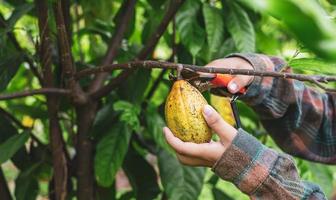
191, 33
142, 175
111, 151
12, 145
180, 182
214, 26
301, 19
241, 28
313, 65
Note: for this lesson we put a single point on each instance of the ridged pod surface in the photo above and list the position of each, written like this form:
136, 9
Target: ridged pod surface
183, 112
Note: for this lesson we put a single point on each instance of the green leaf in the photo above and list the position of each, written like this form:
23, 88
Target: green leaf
18, 13
313, 64
26, 185
129, 114
103, 119
127, 196
213, 180
153, 20
156, 4
134, 87
191, 34
322, 176
240, 27
7, 130
155, 123
104, 193
141, 175
12, 145
308, 21
110, 153
180, 182
218, 194
227, 48
9, 65
214, 26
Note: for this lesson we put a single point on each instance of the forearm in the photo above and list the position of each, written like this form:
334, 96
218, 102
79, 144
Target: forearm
300, 119
261, 172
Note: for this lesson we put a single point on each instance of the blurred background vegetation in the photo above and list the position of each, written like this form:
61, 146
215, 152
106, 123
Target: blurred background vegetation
127, 157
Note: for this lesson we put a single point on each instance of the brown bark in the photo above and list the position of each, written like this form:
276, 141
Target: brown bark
192, 69
56, 140
67, 64
84, 148
43, 91
87, 113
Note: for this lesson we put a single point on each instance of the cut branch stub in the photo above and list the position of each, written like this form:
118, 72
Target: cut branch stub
179, 71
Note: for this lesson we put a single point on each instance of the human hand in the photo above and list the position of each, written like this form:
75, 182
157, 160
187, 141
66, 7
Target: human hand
239, 81
205, 154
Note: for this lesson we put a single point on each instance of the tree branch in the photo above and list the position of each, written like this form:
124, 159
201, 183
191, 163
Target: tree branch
107, 88
42, 91
84, 148
87, 113
194, 68
155, 86
59, 158
10, 117
67, 18
146, 51
154, 38
126, 11
68, 67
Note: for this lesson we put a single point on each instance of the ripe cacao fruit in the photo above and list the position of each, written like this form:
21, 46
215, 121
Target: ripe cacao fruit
223, 107
183, 112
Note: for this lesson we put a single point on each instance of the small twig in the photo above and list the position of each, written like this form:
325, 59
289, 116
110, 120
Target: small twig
155, 84
107, 88
323, 87
149, 64
146, 51
154, 39
43, 91
123, 18
14, 41
10, 117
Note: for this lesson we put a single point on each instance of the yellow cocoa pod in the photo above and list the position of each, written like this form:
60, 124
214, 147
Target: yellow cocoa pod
183, 112
223, 107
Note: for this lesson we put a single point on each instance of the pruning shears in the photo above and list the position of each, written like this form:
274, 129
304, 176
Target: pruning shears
219, 83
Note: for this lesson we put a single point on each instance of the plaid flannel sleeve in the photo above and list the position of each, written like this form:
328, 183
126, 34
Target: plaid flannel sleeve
302, 122
300, 119
263, 173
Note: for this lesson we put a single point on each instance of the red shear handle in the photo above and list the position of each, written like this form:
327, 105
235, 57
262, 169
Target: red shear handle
222, 80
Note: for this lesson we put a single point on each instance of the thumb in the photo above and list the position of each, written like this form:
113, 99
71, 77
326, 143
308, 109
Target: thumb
238, 82
224, 130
